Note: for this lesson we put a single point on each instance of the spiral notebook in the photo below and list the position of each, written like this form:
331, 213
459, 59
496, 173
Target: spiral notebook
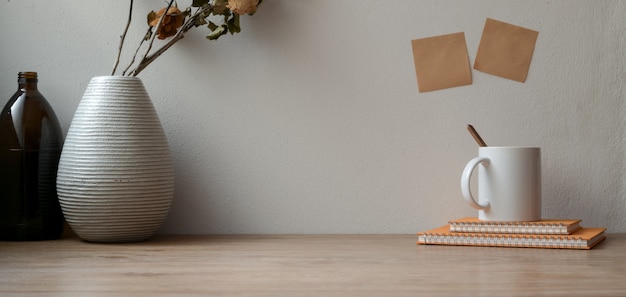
545, 226
584, 238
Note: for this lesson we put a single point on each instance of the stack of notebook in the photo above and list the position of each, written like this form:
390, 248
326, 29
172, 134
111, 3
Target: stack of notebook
547, 233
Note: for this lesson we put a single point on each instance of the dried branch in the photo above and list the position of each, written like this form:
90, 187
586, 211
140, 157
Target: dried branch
167, 9
137, 51
147, 59
123, 37
200, 17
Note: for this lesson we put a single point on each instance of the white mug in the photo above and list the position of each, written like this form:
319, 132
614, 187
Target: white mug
509, 183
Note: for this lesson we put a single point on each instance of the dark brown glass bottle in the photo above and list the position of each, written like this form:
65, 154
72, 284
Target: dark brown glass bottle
30, 148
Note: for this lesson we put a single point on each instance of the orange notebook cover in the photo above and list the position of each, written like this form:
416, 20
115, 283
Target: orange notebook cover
584, 238
545, 226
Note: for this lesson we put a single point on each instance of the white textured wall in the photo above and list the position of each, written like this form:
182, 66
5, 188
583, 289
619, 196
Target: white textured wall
309, 121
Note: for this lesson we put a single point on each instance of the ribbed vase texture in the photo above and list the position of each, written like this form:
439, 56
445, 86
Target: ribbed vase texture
115, 180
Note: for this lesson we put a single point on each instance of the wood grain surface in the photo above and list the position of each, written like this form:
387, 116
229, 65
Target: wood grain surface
306, 265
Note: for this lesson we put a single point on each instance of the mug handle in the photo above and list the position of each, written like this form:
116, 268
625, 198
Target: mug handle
465, 183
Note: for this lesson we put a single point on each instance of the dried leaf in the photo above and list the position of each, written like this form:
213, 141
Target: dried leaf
199, 3
148, 35
221, 30
241, 7
199, 22
233, 24
172, 20
212, 26
219, 7
151, 17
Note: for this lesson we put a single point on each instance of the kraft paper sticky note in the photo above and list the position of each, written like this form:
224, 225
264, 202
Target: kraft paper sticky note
505, 50
441, 62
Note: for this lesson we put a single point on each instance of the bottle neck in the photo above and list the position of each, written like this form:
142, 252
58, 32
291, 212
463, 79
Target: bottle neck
27, 80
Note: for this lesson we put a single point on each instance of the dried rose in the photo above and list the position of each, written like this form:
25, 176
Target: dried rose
173, 20
242, 7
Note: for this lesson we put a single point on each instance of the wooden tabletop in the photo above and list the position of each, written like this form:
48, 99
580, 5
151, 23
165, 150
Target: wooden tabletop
306, 265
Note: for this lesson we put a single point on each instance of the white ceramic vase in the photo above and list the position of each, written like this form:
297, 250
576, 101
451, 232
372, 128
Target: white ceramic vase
115, 180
